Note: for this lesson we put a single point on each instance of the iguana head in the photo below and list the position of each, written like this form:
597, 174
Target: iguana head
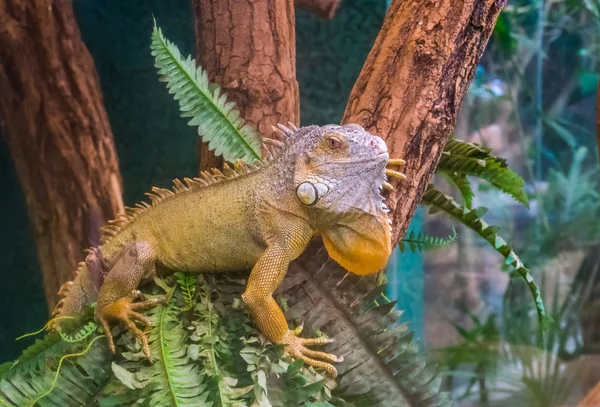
339, 174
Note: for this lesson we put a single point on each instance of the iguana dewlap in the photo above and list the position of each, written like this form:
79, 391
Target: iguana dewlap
323, 181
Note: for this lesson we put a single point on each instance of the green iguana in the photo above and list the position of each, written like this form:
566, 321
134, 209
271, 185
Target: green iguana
323, 181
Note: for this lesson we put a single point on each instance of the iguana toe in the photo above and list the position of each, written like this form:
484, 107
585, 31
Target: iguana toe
124, 310
296, 348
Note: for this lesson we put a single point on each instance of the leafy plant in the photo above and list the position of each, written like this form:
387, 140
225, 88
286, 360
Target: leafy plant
509, 365
418, 242
211, 355
460, 159
381, 359
219, 122
473, 220
568, 202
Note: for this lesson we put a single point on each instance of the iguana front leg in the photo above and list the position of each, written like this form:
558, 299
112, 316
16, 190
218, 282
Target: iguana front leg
265, 277
115, 299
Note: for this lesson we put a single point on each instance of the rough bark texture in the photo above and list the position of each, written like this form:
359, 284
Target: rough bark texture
321, 8
413, 82
58, 133
592, 399
249, 49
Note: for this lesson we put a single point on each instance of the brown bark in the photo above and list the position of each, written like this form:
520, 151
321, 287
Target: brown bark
249, 49
413, 82
592, 399
58, 133
321, 8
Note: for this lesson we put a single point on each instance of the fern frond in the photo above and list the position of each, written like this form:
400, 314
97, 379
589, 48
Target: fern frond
88, 329
114, 394
219, 122
420, 242
187, 284
472, 219
173, 379
461, 182
464, 158
70, 375
35, 355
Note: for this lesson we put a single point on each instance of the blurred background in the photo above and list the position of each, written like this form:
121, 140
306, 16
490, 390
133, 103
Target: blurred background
533, 101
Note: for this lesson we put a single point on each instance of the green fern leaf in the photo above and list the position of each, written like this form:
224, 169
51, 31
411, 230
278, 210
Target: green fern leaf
464, 158
472, 219
464, 186
219, 123
88, 329
419, 242
70, 375
187, 284
35, 355
173, 380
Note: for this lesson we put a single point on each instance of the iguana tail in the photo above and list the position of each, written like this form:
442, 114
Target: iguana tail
83, 290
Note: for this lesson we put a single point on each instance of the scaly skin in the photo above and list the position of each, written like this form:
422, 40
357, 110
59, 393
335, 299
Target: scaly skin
324, 181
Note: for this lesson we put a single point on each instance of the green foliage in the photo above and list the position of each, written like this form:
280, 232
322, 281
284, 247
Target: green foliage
81, 334
568, 202
172, 379
473, 220
210, 355
219, 122
461, 182
508, 367
53, 372
461, 159
419, 242
187, 283
478, 352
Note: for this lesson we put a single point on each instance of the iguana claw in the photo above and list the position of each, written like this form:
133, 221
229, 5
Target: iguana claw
297, 349
396, 161
124, 310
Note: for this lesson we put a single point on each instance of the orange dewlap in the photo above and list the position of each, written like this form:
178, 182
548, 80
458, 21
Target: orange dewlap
358, 253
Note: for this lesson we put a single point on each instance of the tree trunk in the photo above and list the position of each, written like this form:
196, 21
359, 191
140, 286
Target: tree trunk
57, 132
413, 82
249, 49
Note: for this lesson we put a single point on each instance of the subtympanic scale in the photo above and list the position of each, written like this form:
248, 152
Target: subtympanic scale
309, 193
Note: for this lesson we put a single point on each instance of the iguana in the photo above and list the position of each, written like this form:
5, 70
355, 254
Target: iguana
323, 181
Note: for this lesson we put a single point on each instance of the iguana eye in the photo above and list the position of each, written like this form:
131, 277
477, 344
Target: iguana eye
334, 143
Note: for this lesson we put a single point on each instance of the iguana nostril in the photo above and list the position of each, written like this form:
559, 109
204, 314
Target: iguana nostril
379, 144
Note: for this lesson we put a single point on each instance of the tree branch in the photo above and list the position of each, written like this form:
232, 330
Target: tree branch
413, 82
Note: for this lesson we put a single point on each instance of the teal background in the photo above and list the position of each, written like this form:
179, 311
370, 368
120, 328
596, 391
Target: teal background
155, 145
